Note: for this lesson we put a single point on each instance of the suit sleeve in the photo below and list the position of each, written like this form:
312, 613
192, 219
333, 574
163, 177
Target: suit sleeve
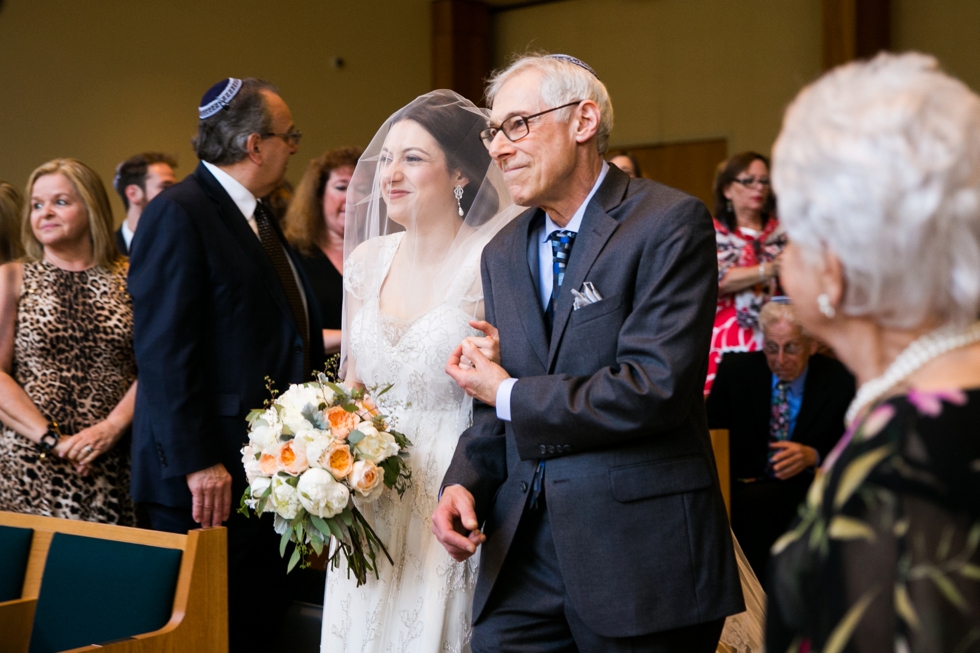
662, 350
167, 279
480, 461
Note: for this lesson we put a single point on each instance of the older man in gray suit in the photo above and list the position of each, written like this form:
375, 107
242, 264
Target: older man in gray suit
589, 462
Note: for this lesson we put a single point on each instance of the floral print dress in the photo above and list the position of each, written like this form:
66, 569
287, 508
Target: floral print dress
886, 554
737, 315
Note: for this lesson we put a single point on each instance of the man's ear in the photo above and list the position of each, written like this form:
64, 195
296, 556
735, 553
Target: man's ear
253, 148
134, 195
585, 121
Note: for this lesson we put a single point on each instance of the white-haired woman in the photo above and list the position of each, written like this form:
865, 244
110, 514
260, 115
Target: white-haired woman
878, 173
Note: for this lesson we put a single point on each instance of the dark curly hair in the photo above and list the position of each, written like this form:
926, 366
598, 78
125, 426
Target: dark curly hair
729, 170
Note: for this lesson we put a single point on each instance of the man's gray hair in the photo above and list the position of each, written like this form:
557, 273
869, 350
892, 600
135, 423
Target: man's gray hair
879, 163
775, 312
562, 82
223, 138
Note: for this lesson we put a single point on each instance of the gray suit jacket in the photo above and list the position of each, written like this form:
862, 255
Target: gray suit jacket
614, 404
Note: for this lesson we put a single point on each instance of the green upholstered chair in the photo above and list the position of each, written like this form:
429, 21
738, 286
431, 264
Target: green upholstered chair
96, 591
15, 549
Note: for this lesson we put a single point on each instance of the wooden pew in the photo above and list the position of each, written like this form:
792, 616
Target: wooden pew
719, 443
199, 618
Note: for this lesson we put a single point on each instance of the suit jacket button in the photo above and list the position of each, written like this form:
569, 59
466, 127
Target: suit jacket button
523, 486
543, 449
551, 448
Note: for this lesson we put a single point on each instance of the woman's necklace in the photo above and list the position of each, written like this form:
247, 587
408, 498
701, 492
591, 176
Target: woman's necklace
918, 353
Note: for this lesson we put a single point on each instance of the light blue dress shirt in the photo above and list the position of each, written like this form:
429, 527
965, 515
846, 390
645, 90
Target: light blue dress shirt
546, 276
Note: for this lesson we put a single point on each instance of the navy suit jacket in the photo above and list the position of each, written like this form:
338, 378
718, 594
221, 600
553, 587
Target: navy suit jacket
741, 401
210, 322
613, 402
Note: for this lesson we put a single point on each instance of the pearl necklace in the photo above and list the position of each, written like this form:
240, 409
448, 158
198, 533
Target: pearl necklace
918, 353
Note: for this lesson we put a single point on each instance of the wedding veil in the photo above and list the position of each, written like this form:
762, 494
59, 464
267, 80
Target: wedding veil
410, 246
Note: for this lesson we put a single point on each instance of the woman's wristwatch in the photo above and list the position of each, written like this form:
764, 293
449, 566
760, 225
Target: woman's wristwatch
49, 440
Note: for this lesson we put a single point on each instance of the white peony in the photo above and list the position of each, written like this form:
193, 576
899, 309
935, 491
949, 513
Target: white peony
367, 479
285, 498
294, 401
320, 494
257, 487
250, 460
376, 445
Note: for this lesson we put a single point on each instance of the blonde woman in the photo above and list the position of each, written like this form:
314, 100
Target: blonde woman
67, 371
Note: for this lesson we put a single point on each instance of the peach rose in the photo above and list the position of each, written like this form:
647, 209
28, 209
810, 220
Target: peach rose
338, 460
292, 457
341, 422
366, 479
367, 404
269, 460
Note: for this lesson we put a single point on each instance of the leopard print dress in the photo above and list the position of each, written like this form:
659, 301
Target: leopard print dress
73, 356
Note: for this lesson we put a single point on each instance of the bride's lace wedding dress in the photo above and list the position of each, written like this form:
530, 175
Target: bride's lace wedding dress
422, 602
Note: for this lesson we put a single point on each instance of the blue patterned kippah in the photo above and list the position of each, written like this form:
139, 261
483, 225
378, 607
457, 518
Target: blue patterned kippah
572, 60
218, 96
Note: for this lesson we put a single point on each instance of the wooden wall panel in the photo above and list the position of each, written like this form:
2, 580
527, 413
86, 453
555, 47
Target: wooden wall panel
688, 166
461, 47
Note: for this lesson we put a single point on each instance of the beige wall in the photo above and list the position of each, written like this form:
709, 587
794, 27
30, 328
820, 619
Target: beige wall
948, 29
682, 69
100, 80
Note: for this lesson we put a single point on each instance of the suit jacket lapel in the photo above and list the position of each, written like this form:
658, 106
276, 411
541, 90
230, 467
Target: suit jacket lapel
526, 291
250, 243
597, 227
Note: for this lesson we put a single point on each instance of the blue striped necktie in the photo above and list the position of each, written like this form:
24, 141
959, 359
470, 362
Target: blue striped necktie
561, 247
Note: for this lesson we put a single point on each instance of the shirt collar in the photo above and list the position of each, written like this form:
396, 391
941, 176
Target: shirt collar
240, 195
576, 222
796, 385
127, 234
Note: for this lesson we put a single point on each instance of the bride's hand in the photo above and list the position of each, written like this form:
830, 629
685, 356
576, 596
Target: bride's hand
489, 344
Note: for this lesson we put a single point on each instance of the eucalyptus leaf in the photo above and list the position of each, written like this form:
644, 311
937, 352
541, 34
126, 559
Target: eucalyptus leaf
293, 560
284, 541
321, 525
354, 437
317, 544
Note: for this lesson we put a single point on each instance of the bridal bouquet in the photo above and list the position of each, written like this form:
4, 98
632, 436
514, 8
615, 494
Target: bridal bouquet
313, 451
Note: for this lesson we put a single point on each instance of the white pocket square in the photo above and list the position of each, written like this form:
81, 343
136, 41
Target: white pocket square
588, 295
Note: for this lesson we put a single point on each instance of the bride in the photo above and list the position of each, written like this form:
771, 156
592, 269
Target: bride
423, 201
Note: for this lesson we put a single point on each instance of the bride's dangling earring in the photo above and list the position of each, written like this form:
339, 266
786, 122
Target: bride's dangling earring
458, 193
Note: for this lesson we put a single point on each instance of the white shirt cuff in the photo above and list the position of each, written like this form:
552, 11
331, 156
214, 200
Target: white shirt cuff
503, 398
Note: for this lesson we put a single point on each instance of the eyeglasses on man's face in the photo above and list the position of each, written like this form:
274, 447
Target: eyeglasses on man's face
291, 137
516, 127
748, 182
791, 348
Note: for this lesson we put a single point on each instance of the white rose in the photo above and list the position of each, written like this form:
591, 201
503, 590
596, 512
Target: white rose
320, 494
250, 460
376, 445
367, 479
285, 498
257, 487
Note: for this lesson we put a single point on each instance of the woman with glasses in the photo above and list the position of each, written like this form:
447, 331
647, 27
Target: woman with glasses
750, 241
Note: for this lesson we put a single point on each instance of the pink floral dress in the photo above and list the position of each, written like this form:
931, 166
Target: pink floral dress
737, 316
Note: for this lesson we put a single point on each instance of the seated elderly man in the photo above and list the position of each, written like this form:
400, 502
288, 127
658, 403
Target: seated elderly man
784, 409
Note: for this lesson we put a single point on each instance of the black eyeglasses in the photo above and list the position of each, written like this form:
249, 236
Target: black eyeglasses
752, 181
291, 137
516, 127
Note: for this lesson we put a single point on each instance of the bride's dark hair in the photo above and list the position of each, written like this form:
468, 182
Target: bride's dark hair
457, 131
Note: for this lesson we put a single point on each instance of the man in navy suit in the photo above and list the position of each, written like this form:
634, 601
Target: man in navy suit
219, 303
784, 410
589, 462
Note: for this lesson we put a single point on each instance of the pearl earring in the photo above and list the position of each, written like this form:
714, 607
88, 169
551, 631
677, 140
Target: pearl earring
458, 193
823, 303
